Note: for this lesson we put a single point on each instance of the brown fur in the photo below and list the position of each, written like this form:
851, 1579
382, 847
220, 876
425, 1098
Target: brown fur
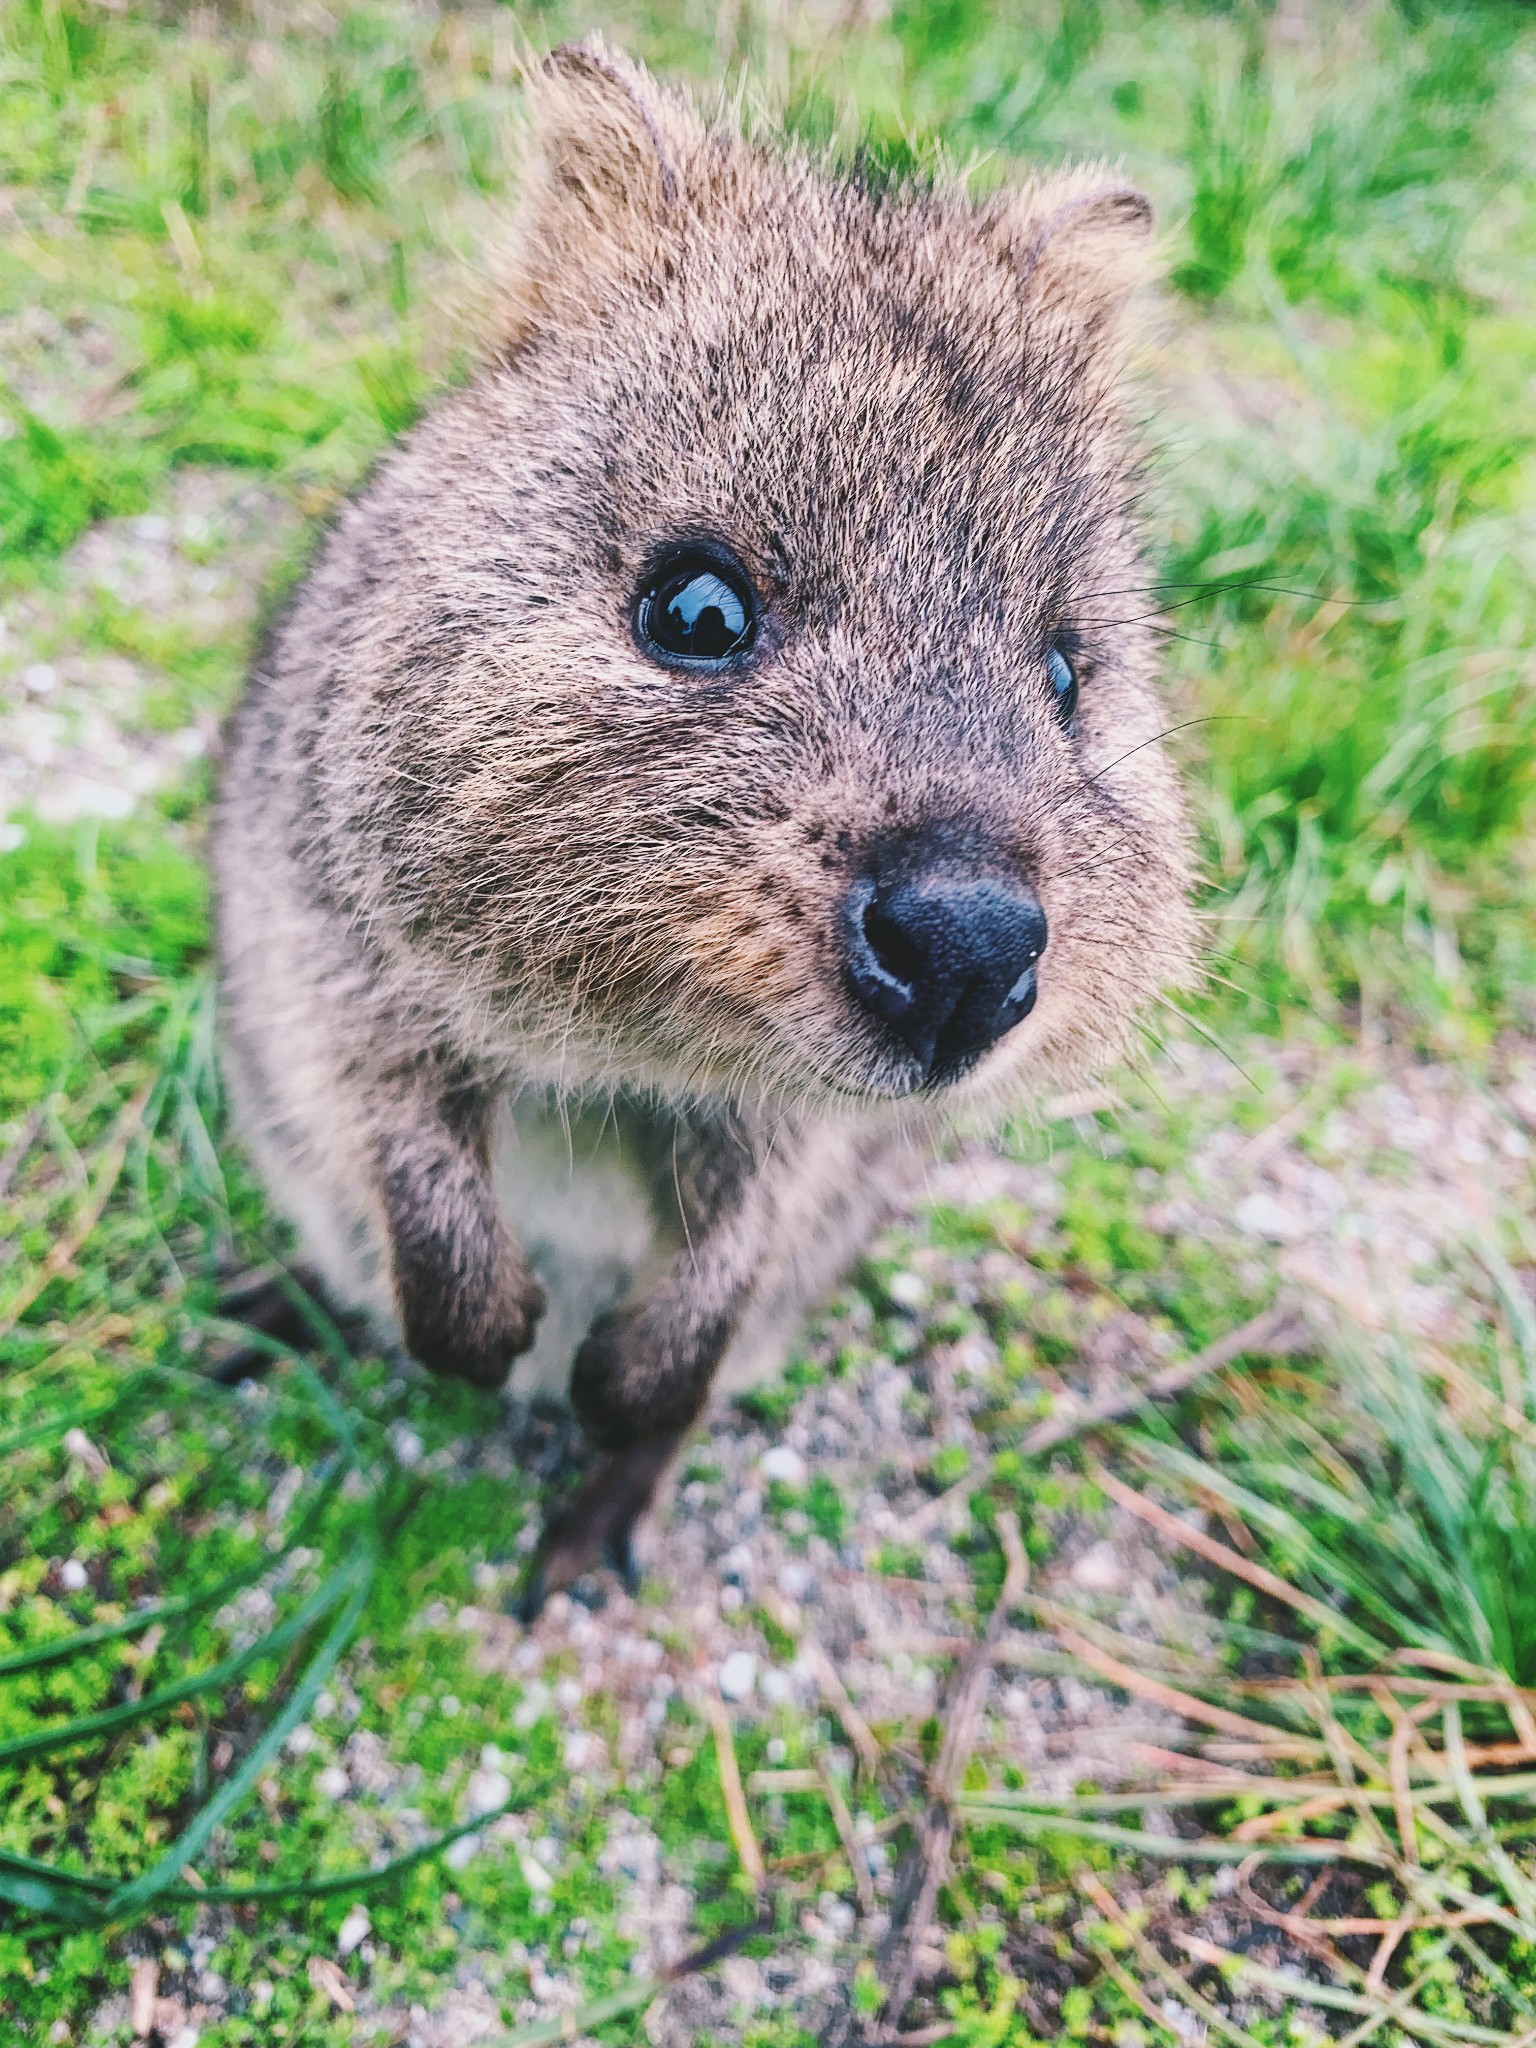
474, 848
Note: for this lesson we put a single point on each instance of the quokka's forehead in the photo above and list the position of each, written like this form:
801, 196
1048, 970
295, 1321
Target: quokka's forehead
646, 230
931, 442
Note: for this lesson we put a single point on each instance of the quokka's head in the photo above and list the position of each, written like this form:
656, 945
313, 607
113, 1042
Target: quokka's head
757, 682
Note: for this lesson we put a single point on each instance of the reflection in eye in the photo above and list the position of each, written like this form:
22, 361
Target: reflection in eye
697, 613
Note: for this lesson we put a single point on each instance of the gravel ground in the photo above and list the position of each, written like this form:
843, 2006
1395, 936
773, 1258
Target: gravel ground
1366, 1212
87, 731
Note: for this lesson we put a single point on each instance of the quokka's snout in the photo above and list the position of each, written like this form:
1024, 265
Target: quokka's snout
945, 954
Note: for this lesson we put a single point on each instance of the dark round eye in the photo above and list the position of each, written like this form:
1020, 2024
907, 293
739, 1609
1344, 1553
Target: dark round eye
697, 613
1062, 677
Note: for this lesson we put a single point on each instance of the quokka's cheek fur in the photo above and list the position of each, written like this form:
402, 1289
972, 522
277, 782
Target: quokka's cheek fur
492, 877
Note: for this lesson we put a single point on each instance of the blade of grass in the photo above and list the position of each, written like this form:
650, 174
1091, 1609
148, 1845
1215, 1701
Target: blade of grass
1183, 1703
1095, 1889
567, 2026
1517, 1886
1168, 1848
1275, 1330
354, 1581
1320, 1615
62, 1252
1282, 1791
86, 1727
748, 1854
17, 1872
1304, 1991
45, 1897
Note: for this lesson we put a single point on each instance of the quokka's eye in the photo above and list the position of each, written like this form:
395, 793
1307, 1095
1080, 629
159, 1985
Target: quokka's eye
697, 611
1061, 673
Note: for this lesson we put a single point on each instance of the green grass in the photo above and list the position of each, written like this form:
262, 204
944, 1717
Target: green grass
245, 244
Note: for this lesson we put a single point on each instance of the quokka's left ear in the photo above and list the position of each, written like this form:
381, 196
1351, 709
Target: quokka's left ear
1081, 246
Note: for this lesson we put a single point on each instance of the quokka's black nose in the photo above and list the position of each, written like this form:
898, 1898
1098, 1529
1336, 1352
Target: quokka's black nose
947, 960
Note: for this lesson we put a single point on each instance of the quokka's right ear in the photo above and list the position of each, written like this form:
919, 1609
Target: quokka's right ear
601, 184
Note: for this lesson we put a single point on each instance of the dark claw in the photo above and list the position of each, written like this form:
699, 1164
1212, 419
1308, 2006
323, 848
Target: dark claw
621, 1558
529, 1604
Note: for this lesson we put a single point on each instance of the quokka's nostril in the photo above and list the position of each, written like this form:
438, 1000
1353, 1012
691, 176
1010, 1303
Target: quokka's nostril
892, 947
948, 961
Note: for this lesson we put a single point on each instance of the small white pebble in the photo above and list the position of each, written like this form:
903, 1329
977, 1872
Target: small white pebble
908, 1290
535, 1876
458, 1853
407, 1444
94, 799
784, 1465
488, 1790
333, 1782
41, 679
325, 1706
776, 1687
794, 1579
567, 1695
152, 526
738, 1675
1260, 1215
491, 1758
353, 1931
73, 1576
732, 1600
301, 1740
777, 1749
838, 1917
449, 1704
1099, 1570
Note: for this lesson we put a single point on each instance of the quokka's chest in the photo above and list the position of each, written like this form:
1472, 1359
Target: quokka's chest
585, 1190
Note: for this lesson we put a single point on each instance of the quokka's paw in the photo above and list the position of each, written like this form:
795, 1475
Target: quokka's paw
627, 1385
461, 1338
597, 1526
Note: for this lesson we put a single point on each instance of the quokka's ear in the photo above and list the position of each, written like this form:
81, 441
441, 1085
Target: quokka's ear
601, 183
1081, 245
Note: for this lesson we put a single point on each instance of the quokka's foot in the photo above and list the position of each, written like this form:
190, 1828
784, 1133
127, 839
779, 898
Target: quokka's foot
596, 1527
263, 1300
